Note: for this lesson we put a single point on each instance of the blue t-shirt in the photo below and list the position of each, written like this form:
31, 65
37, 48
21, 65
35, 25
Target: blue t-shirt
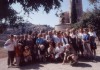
85, 37
40, 41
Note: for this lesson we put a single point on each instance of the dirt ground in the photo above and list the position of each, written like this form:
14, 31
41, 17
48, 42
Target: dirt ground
82, 64
3, 53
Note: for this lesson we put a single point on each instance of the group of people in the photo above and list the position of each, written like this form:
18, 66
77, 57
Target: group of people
51, 46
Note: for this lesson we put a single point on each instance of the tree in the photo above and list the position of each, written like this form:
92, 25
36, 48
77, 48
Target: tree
94, 1
2, 27
15, 20
7, 12
28, 5
90, 18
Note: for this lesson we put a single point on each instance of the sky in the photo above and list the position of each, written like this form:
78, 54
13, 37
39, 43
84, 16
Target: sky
42, 18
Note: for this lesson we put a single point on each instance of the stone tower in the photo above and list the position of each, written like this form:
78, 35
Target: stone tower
74, 14
78, 7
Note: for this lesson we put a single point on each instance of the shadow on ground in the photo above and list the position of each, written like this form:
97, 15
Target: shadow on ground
33, 66
82, 65
98, 58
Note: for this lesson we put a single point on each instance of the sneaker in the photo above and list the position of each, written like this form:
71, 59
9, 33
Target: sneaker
73, 63
8, 66
12, 65
94, 61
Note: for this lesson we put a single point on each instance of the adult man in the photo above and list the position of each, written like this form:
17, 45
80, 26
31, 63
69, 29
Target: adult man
10, 46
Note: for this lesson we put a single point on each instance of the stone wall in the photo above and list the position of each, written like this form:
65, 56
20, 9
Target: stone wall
62, 27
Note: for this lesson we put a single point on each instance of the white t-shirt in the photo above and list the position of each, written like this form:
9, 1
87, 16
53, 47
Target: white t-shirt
80, 35
58, 51
10, 45
73, 35
92, 34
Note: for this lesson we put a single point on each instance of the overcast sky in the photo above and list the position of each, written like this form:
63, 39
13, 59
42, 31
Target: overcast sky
41, 17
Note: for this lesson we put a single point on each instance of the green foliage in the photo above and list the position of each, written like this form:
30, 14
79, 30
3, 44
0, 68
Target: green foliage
16, 21
94, 1
28, 5
90, 18
2, 27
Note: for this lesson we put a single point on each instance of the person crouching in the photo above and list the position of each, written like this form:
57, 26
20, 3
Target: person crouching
27, 55
41, 52
59, 52
51, 52
70, 55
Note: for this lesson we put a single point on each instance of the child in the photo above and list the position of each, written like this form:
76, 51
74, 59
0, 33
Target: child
41, 52
27, 54
51, 52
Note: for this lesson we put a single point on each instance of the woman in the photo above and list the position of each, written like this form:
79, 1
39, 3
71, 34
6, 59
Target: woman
27, 55
30, 45
79, 41
92, 42
59, 51
74, 40
41, 48
51, 52
86, 43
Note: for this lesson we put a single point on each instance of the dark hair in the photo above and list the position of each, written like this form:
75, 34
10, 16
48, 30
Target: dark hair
11, 35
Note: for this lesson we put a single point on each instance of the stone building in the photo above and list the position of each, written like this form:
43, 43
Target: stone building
65, 17
79, 9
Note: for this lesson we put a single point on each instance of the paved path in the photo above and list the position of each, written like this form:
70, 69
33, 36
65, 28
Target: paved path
82, 65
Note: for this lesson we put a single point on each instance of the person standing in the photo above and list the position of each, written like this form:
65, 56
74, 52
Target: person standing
73, 36
92, 42
10, 46
79, 40
86, 44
